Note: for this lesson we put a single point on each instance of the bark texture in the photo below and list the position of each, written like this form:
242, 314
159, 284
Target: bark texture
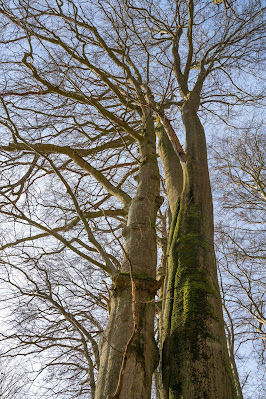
174, 185
140, 263
172, 168
194, 357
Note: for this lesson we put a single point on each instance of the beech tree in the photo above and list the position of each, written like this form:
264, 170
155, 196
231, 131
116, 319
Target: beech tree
87, 87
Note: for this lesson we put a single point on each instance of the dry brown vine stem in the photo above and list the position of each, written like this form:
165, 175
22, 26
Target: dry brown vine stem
172, 136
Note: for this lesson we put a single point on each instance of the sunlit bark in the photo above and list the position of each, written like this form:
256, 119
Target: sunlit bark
139, 270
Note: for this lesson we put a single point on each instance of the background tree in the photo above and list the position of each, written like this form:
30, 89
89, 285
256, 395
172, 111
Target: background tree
13, 381
239, 189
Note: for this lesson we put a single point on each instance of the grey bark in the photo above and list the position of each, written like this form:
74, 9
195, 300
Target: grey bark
141, 256
235, 372
172, 168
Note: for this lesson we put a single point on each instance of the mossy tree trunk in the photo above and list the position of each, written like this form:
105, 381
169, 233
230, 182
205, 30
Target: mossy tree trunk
195, 359
173, 174
131, 377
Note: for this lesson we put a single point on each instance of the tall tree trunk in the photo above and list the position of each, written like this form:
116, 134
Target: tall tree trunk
129, 356
174, 185
195, 358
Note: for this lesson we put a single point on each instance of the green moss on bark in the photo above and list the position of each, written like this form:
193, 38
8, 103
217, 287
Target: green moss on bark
194, 304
